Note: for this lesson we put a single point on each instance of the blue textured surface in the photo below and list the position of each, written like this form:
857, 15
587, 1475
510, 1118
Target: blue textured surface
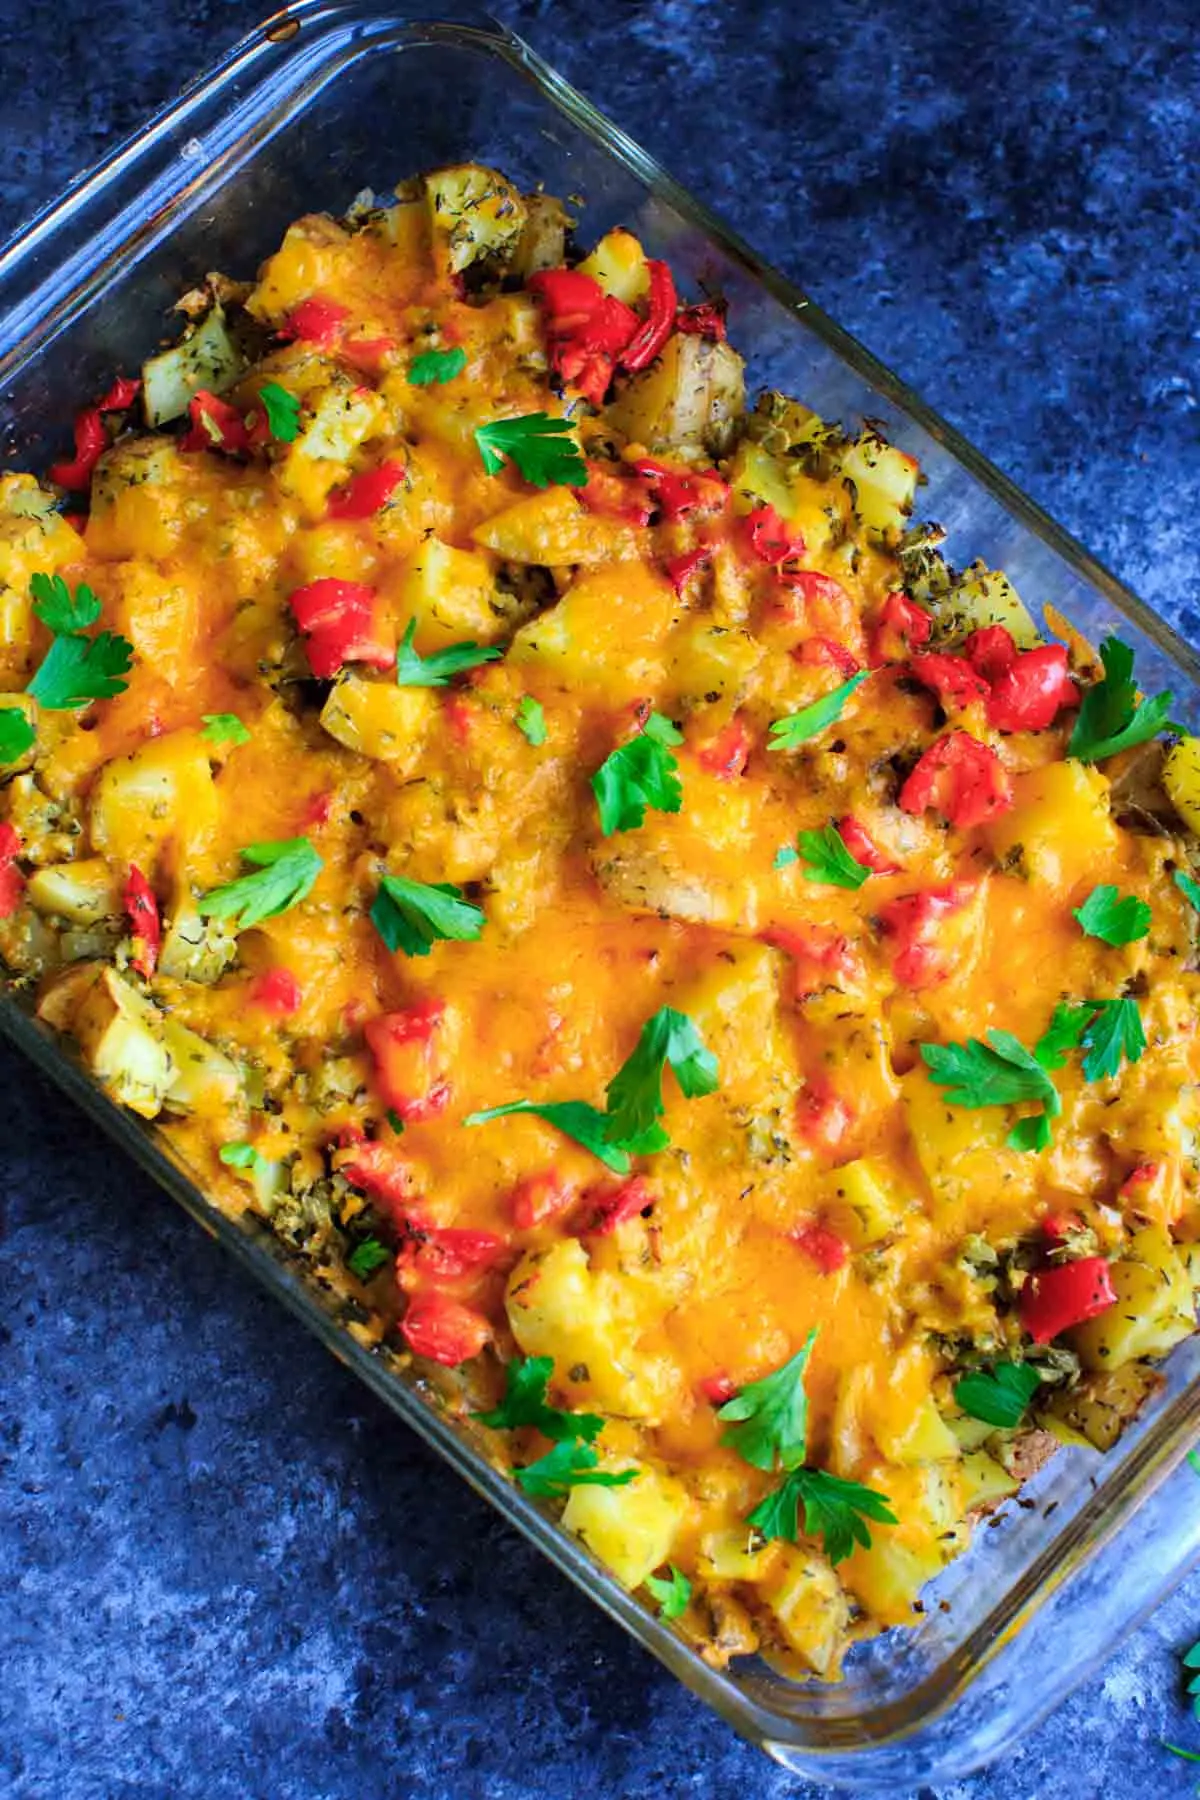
225, 1572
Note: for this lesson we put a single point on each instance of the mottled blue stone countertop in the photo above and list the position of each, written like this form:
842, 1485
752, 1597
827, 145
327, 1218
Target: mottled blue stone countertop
225, 1572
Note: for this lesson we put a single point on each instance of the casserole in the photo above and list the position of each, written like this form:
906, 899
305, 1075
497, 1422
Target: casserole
799, 1724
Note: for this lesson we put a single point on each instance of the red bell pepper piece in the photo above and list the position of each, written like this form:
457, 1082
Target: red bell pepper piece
915, 921
142, 911
1054, 1299
826, 652
717, 1388
91, 439
1029, 694
770, 539
444, 1330
1058, 1226
822, 957
825, 1247
618, 496
964, 779
863, 848
276, 991
951, 678
586, 328
990, 650
368, 354
620, 1204
380, 1171
819, 607
705, 319
317, 321
659, 322
679, 492
401, 1044
680, 567
215, 425
901, 625
338, 620
822, 1117
446, 1255
12, 882
368, 493
539, 1198
728, 753
318, 809
1142, 1176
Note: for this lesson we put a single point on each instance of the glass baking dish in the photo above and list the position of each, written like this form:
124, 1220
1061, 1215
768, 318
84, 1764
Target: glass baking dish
322, 102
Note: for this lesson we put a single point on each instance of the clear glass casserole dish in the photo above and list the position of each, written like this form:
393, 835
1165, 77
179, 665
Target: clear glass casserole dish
320, 104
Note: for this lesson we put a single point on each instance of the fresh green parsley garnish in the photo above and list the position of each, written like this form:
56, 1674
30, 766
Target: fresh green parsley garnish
366, 1257
1188, 888
999, 1395
1111, 717
539, 446
224, 728
433, 367
634, 1095
768, 1419
1106, 1029
587, 1125
999, 1073
1193, 1461
798, 727
568, 1465
414, 915
531, 720
395, 1121
1113, 918
285, 875
16, 734
673, 1592
827, 859
639, 774
63, 612
241, 1155
1191, 1662
526, 1379
282, 410
834, 1509
414, 670
77, 670
785, 856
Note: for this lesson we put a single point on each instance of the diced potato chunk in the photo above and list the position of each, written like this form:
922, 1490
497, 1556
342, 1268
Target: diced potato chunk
708, 660
120, 1037
866, 1189
475, 212
811, 1607
83, 892
543, 240
604, 638
380, 720
342, 416
449, 593
985, 1481
305, 263
34, 536
727, 1555
885, 482
1181, 778
195, 948
204, 1079
554, 529
1154, 1307
618, 263
207, 358
162, 793
1061, 821
632, 1528
902, 1417
1102, 1404
687, 401
983, 597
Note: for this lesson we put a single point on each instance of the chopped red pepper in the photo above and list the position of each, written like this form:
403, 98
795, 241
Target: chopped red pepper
91, 439
990, 650
659, 322
380, 1171
215, 425
680, 567
964, 779
368, 493
444, 1330
826, 652
822, 1117
12, 882
951, 678
901, 625
705, 319
728, 753
619, 496
717, 1388
678, 492
317, 321
620, 1204
1029, 694
1053, 1300
142, 911
825, 1247
863, 848
276, 991
1142, 1176
770, 539
338, 619
318, 809
368, 353
819, 607
821, 956
915, 921
401, 1044
586, 327
539, 1198
446, 1255
1058, 1226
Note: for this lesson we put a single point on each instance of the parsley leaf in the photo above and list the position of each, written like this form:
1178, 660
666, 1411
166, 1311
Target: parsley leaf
285, 875
538, 445
433, 367
531, 720
568, 1465
998, 1073
241, 1155
394, 1120
827, 859
1188, 888
224, 728
639, 774
999, 1395
833, 1508
1111, 918
1111, 717
16, 734
414, 670
1032, 1133
1062, 1035
366, 1257
526, 1379
414, 915
77, 670
63, 612
768, 1419
673, 1594
574, 1118
1115, 1031
798, 727
634, 1095
282, 410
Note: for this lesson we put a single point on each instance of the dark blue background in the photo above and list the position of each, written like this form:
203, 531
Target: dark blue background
225, 1572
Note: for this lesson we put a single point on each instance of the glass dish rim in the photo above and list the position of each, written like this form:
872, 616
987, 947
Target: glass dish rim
1161, 1449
